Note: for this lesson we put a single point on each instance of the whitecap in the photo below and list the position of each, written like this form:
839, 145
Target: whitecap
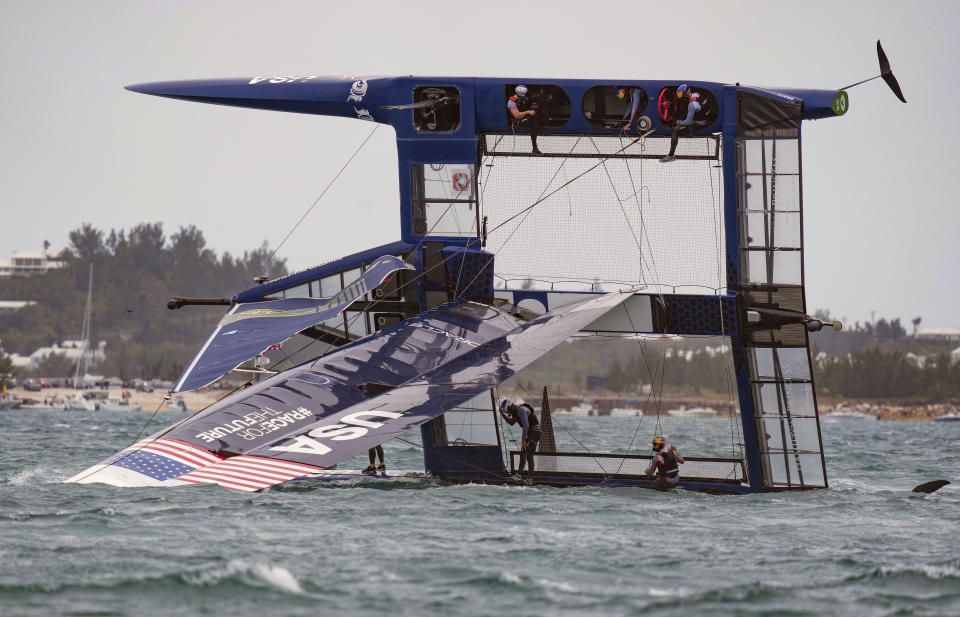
935, 572
510, 577
275, 576
557, 585
278, 576
31, 475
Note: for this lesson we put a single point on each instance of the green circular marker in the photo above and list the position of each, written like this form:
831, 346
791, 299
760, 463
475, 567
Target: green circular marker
841, 103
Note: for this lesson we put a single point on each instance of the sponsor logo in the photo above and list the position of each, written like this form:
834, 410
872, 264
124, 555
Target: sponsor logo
256, 424
363, 114
461, 181
357, 91
439, 331
283, 79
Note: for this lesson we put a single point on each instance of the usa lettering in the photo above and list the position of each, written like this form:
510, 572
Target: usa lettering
349, 427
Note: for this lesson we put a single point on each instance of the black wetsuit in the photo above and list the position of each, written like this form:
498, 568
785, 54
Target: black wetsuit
375, 451
668, 471
525, 103
531, 436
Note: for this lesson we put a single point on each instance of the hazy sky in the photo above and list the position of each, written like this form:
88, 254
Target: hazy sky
881, 227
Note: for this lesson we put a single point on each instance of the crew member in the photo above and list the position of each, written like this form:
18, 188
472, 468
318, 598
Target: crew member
522, 111
630, 116
376, 451
665, 464
523, 413
693, 106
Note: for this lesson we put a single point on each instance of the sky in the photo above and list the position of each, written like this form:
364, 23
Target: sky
881, 226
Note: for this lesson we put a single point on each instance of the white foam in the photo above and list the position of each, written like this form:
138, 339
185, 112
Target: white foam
930, 571
558, 585
510, 577
31, 475
275, 576
278, 576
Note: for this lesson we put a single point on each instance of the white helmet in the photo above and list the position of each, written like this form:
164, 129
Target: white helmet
521, 90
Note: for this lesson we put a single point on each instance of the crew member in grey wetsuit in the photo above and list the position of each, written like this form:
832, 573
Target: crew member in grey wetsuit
520, 107
523, 413
665, 464
630, 116
693, 106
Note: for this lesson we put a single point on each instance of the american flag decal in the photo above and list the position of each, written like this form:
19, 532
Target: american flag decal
181, 451
248, 473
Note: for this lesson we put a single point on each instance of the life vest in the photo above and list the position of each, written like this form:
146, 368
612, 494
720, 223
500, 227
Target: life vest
671, 464
523, 104
534, 424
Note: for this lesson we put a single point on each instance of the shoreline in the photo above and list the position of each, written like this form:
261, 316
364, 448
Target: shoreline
197, 400
148, 401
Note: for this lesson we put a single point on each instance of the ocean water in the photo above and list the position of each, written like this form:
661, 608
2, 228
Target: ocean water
866, 546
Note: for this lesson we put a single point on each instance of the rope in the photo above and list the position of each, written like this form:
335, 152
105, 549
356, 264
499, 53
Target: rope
324, 191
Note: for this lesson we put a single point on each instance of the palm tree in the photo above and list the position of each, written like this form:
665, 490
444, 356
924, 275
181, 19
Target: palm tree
916, 324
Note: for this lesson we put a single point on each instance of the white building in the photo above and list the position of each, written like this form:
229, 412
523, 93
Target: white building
71, 350
949, 335
26, 263
14, 305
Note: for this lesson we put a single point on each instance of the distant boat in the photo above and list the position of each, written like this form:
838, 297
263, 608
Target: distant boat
624, 412
693, 412
116, 404
77, 402
8, 401
178, 405
849, 413
583, 409
953, 416
35, 406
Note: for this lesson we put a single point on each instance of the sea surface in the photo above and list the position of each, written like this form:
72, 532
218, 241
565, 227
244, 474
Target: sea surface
866, 546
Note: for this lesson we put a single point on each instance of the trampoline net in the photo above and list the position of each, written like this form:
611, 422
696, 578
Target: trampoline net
601, 211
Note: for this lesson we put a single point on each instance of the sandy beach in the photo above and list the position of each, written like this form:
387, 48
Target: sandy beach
148, 401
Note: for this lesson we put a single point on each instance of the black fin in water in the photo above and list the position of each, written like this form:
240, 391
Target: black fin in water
930, 487
888, 77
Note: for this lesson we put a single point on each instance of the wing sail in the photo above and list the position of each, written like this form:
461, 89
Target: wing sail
250, 328
313, 416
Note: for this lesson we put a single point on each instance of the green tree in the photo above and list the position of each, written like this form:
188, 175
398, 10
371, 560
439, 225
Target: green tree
8, 372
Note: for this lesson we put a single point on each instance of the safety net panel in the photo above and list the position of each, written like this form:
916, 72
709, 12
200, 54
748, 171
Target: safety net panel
599, 210
613, 466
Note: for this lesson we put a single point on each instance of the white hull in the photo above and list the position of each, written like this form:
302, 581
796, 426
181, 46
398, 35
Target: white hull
693, 412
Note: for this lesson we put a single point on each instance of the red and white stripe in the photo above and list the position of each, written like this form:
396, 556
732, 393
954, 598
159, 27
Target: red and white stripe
248, 473
180, 451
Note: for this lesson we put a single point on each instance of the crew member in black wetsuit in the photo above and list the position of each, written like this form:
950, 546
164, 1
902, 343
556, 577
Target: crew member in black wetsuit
690, 99
376, 451
523, 110
523, 413
665, 464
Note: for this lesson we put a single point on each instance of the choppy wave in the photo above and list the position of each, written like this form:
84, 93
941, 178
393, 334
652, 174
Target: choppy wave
866, 547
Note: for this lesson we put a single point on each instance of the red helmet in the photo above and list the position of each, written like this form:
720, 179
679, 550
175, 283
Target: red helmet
658, 443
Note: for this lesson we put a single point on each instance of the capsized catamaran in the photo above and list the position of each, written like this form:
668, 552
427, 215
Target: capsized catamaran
516, 236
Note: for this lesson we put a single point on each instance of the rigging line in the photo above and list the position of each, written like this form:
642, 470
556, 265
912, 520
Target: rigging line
146, 424
527, 211
640, 423
733, 432
561, 187
493, 475
651, 259
324, 192
143, 308
572, 436
375, 302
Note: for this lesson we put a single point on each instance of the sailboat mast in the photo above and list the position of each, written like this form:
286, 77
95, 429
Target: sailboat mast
85, 334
